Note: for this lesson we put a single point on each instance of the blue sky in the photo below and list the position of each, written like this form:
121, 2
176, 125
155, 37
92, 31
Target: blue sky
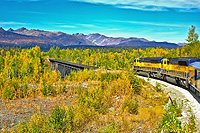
159, 20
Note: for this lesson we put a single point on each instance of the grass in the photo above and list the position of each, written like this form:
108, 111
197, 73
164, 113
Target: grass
171, 123
89, 101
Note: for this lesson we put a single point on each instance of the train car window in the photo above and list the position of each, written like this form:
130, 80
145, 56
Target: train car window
182, 63
154, 61
173, 61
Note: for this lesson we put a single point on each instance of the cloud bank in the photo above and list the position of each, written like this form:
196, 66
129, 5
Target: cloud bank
12, 23
153, 23
67, 26
152, 5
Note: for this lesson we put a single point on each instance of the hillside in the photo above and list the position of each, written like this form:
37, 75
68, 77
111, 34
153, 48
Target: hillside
8, 38
47, 39
56, 36
102, 40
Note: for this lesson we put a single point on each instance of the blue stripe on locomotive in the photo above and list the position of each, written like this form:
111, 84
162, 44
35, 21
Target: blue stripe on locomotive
195, 64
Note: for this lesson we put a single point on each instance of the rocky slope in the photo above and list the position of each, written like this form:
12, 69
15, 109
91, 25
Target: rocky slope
57, 37
46, 39
8, 38
101, 40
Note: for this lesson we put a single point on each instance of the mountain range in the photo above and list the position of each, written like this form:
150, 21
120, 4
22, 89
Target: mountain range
46, 39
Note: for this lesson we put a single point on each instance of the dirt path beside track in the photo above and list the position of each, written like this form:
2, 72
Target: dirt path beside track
191, 102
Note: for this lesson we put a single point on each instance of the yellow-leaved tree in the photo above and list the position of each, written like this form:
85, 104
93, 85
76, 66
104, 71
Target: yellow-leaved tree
193, 44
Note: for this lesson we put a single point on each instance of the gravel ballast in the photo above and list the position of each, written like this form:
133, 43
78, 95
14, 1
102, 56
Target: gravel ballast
176, 92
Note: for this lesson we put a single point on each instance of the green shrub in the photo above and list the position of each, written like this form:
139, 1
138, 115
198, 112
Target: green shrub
109, 129
92, 98
135, 83
158, 87
191, 126
8, 93
10, 89
36, 124
108, 76
24, 90
61, 119
170, 122
48, 90
58, 119
112, 127
131, 105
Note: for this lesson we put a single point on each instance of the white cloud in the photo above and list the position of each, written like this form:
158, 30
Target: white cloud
12, 23
88, 25
167, 33
143, 8
152, 23
113, 29
32, 12
67, 26
151, 37
122, 34
76, 25
153, 5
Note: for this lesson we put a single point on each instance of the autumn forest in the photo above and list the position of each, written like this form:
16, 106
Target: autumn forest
36, 99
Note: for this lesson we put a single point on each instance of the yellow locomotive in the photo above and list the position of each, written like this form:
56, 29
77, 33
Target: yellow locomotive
185, 70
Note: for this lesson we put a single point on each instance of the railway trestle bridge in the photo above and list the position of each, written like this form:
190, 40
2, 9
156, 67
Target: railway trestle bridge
65, 68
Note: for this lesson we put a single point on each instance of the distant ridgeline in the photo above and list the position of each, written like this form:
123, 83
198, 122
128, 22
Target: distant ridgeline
25, 38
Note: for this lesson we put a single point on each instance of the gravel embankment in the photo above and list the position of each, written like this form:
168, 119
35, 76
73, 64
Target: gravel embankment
190, 101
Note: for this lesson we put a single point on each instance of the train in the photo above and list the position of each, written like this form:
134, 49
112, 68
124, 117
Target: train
185, 70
